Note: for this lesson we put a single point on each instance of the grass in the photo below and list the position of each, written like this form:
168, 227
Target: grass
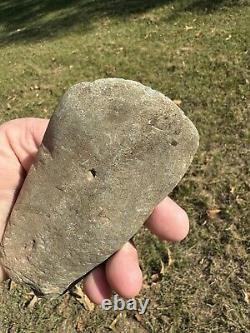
196, 52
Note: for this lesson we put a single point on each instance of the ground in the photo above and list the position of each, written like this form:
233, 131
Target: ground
197, 53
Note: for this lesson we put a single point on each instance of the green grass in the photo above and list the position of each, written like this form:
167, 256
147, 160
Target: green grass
193, 51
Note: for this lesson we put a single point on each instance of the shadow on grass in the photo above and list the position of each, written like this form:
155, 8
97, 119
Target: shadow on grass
37, 19
207, 6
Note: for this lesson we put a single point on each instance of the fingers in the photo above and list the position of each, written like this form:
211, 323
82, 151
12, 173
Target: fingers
19, 142
168, 221
120, 273
96, 286
24, 136
123, 271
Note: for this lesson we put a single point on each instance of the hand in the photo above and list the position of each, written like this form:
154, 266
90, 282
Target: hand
19, 142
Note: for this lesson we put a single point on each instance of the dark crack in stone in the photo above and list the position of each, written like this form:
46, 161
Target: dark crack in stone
112, 151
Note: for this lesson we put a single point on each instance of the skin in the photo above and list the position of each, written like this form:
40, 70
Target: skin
19, 142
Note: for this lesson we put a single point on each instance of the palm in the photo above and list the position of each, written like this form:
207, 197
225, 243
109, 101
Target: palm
19, 142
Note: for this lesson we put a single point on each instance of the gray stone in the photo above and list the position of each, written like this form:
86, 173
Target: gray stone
112, 151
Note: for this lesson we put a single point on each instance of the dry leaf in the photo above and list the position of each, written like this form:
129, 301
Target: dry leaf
12, 285
170, 259
32, 302
212, 213
114, 322
138, 317
239, 200
188, 28
199, 34
246, 296
155, 277
177, 102
162, 271
83, 299
232, 189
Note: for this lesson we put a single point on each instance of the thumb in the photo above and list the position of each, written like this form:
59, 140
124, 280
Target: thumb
19, 143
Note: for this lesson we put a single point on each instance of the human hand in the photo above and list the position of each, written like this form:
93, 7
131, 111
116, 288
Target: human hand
19, 142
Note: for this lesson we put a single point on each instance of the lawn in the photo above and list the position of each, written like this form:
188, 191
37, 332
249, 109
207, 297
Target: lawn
197, 53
